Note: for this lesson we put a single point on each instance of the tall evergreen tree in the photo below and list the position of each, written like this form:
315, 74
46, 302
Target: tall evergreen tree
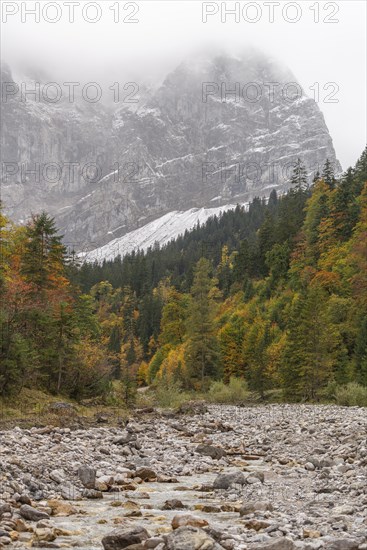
328, 174
202, 348
255, 350
299, 175
316, 176
44, 258
310, 352
266, 240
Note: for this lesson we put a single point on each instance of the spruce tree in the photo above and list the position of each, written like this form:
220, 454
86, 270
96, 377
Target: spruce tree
328, 174
316, 177
266, 239
202, 348
44, 257
360, 170
255, 348
311, 348
299, 175
242, 262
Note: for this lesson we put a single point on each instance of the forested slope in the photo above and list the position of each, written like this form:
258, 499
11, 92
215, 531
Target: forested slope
276, 295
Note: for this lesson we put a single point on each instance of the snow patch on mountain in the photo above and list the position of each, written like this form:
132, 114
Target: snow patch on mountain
161, 230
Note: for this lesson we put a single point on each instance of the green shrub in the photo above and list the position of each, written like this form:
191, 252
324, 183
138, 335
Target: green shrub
328, 393
236, 392
145, 399
169, 394
351, 395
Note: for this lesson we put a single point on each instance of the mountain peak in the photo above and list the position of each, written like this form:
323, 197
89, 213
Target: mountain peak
202, 136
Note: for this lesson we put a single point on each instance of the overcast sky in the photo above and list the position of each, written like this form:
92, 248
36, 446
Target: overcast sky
169, 31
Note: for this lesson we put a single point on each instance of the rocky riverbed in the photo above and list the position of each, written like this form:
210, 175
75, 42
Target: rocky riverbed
275, 477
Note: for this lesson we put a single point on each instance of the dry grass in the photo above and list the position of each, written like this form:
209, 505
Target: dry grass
32, 408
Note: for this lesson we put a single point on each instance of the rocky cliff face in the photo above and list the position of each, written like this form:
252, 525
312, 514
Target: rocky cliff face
216, 131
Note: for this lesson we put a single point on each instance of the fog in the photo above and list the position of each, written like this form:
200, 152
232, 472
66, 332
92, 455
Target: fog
332, 50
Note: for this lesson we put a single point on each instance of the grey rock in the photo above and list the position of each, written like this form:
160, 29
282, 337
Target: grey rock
153, 542
124, 537
173, 504
209, 450
70, 492
87, 476
253, 506
58, 476
5, 508
224, 481
146, 474
32, 514
342, 544
162, 145
124, 438
190, 538
24, 499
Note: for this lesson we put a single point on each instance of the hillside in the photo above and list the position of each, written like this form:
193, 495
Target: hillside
274, 294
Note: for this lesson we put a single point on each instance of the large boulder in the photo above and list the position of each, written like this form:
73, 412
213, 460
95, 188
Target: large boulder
183, 520
190, 538
58, 476
32, 514
255, 506
173, 504
225, 481
70, 492
209, 450
61, 508
44, 534
87, 476
5, 508
146, 474
124, 537
127, 438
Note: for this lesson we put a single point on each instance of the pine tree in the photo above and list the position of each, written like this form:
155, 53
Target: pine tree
44, 258
277, 260
316, 177
360, 170
241, 266
328, 174
310, 351
299, 175
273, 202
256, 344
266, 240
202, 349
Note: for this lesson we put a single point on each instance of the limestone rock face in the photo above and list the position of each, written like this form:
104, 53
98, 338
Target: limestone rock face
190, 143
